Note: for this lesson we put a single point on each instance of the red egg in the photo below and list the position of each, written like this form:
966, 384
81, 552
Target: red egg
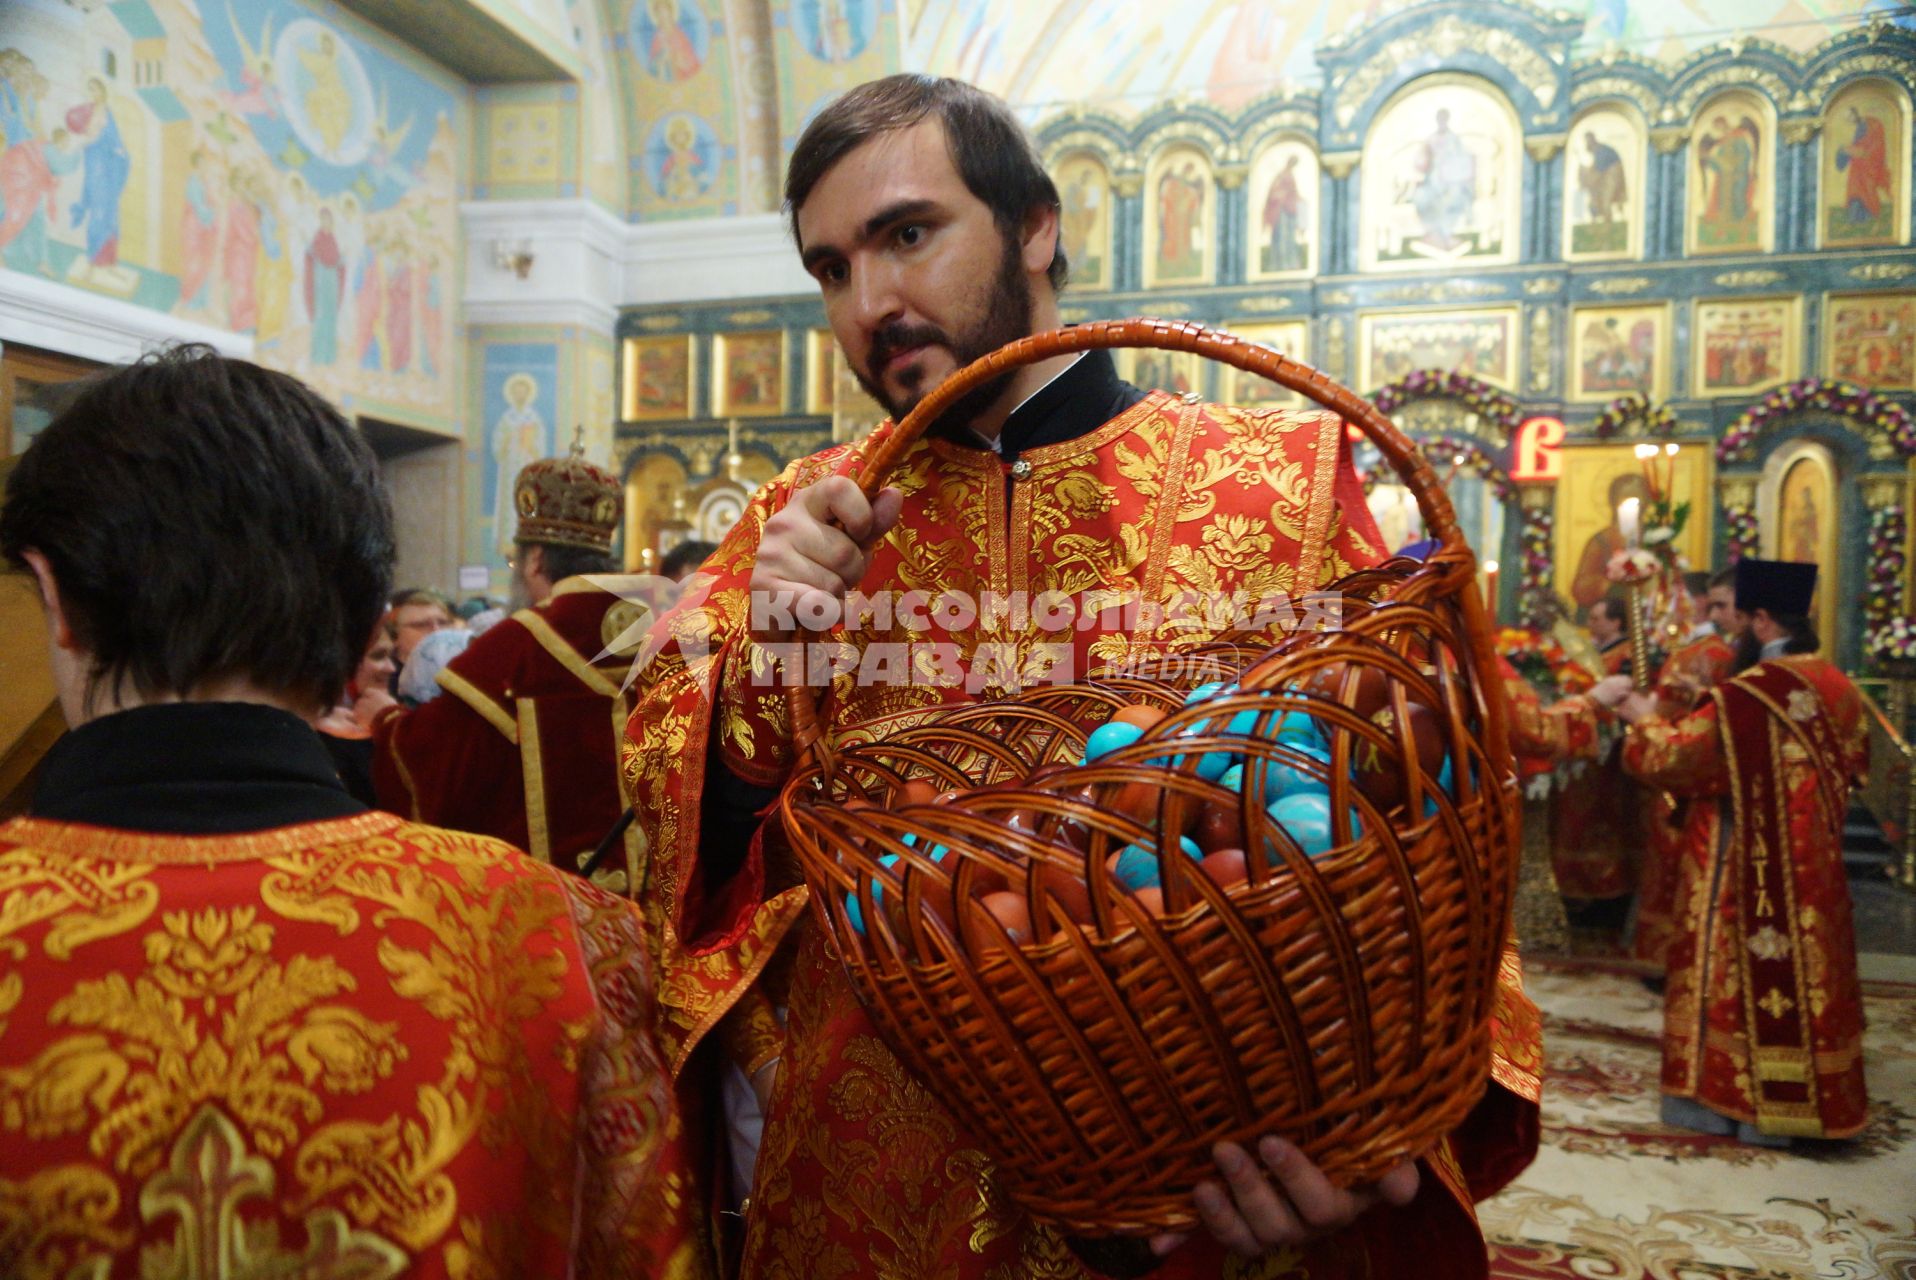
1380, 775
1225, 867
916, 791
1068, 889
1152, 899
1138, 801
1219, 825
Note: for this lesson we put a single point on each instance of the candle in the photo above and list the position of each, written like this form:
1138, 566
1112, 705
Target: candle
1490, 592
1669, 469
1627, 522
1646, 462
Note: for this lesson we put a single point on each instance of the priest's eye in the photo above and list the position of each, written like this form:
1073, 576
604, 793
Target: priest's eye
834, 273
911, 234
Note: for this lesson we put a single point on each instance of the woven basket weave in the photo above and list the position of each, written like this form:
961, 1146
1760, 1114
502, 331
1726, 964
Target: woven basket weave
1343, 1001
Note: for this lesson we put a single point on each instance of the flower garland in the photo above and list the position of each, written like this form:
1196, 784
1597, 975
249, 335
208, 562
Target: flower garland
1887, 633
1740, 535
1474, 458
1495, 406
1657, 419
1845, 399
1536, 593
1541, 660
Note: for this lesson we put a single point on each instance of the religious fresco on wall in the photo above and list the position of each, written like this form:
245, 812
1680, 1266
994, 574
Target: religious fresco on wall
1745, 346
1617, 351
1596, 478
658, 378
519, 405
1481, 343
681, 121
1287, 338
1800, 510
602, 142
1084, 218
1098, 51
748, 374
1866, 166
1180, 204
1282, 238
1442, 178
1603, 186
1731, 203
259, 166
823, 48
1871, 339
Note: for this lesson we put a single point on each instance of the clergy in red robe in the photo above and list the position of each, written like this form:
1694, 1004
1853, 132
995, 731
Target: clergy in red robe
247, 1026
1698, 664
522, 743
1763, 1015
1596, 834
1061, 483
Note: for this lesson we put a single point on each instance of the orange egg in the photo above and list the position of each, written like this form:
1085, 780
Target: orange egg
1141, 716
917, 791
1137, 800
1068, 889
1152, 898
1008, 909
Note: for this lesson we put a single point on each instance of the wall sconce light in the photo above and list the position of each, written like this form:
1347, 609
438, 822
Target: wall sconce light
514, 256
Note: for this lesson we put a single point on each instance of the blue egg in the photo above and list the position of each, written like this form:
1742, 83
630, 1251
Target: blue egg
1296, 727
1211, 690
1307, 819
1108, 738
1285, 779
1443, 784
1233, 778
1138, 869
878, 893
1211, 765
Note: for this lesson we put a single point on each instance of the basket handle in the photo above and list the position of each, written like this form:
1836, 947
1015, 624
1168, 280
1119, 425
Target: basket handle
887, 448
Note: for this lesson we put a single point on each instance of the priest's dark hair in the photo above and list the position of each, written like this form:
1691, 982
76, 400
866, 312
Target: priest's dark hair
1803, 639
206, 519
991, 150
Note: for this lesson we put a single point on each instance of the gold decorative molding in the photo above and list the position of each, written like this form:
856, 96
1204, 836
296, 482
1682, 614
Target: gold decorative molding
1883, 491
1620, 284
1542, 286
1174, 310
1340, 163
1623, 87
759, 316
1753, 279
1231, 176
1883, 271
1129, 185
1337, 297
1445, 38
1074, 315
1798, 132
1736, 491
1440, 291
1667, 138
659, 324
1545, 148
1737, 75
1537, 497
1336, 348
1540, 345
1266, 304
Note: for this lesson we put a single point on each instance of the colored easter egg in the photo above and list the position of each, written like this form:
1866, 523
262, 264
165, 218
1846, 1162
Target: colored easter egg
1007, 909
1224, 867
1142, 717
1108, 738
1306, 817
1219, 825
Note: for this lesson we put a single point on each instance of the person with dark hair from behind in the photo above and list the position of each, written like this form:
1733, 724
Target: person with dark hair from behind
234, 996
681, 561
526, 746
1763, 1015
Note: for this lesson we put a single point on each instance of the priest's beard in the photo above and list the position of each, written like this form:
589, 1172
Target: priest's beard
1007, 318
1749, 652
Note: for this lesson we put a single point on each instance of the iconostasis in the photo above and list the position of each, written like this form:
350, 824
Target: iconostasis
1534, 259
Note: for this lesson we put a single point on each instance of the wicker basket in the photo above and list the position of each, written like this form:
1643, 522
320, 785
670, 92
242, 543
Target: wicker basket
1096, 1051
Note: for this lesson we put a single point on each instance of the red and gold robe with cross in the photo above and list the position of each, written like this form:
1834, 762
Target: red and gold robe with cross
352, 1047
523, 743
862, 1171
1688, 674
1763, 1013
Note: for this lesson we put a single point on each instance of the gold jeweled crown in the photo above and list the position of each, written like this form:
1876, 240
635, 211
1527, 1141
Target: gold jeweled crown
567, 501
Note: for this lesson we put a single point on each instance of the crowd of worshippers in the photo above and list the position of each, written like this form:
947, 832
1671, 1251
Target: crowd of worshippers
553, 1002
